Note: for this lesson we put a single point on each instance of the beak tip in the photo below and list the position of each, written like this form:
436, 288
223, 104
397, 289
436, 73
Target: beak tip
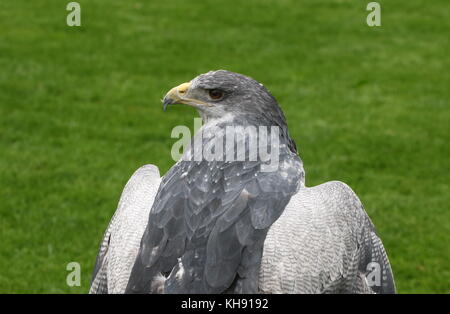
174, 95
166, 102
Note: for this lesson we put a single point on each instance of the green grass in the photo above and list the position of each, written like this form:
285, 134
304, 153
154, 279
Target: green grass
80, 111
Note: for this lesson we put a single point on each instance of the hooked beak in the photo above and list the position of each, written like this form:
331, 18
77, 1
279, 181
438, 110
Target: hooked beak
176, 95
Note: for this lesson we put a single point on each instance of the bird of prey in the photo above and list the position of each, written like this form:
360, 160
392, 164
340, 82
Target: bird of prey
221, 226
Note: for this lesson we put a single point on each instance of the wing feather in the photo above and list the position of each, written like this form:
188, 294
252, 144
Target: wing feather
324, 242
121, 240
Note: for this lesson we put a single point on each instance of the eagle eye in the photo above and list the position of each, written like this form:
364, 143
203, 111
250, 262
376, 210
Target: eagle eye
216, 94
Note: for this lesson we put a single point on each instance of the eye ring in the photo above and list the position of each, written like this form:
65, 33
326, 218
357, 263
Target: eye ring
216, 94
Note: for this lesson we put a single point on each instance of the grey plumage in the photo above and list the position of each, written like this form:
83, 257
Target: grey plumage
217, 226
120, 244
323, 243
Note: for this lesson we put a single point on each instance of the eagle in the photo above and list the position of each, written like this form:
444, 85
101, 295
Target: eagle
238, 221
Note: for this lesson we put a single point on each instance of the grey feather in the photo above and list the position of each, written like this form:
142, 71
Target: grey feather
323, 243
120, 244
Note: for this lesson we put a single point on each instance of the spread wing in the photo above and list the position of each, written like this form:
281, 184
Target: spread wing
206, 216
325, 242
121, 240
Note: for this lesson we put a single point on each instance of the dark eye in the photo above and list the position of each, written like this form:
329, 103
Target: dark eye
215, 94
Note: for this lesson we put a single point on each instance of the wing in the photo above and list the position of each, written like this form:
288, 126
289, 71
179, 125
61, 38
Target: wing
99, 282
325, 242
121, 240
193, 235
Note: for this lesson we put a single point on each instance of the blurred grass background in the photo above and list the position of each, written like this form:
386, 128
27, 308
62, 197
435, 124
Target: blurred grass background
80, 111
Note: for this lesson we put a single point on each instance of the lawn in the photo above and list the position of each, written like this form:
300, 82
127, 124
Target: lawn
80, 111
